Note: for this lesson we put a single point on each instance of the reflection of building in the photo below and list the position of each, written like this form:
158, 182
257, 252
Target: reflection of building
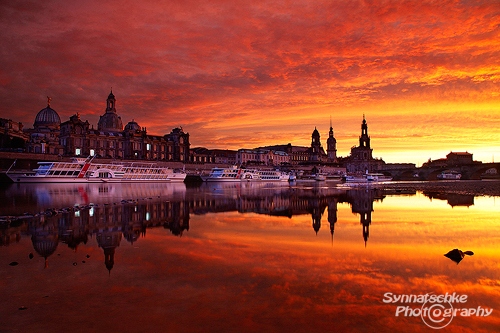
332, 214
362, 204
45, 238
110, 223
452, 198
361, 158
77, 138
129, 219
109, 240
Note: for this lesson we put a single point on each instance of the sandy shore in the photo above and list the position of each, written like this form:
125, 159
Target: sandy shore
469, 187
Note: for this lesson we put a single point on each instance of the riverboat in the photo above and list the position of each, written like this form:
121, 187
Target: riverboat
237, 174
83, 170
377, 177
265, 175
453, 175
366, 178
231, 174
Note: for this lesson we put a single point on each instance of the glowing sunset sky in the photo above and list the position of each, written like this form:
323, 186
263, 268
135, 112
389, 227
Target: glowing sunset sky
241, 74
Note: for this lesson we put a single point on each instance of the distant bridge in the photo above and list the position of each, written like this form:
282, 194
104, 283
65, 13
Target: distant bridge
468, 171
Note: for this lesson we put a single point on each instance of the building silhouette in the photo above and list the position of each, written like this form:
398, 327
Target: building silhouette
76, 137
361, 158
331, 146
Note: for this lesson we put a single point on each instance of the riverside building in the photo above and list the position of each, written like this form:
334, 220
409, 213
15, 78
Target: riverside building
111, 139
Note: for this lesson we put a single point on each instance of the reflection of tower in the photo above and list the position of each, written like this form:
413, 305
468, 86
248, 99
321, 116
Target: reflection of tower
109, 241
316, 220
317, 213
366, 220
44, 236
362, 203
73, 228
332, 215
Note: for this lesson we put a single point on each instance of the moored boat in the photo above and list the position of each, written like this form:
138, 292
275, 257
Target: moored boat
377, 177
237, 174
450, 174
366, 178
354, 178
83, 170
231, 174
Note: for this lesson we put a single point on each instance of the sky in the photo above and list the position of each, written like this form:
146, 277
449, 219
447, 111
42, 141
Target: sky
242, 74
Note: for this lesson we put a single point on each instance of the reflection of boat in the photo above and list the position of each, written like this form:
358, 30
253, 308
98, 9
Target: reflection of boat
38, 197
82, 170
320, 177
450, 174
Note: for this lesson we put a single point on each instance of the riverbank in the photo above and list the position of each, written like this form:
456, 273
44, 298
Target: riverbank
468, 187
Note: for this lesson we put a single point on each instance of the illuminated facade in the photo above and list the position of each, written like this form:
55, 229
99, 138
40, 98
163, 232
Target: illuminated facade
76, 137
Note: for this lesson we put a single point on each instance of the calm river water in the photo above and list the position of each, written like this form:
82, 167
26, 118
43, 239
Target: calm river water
246, 257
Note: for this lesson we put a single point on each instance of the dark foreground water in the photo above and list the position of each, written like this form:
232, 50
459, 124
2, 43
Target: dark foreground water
246, 258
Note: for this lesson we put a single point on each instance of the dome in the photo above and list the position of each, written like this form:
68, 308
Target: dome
45, 244
315, 132
47, 117
110, 121
132, 126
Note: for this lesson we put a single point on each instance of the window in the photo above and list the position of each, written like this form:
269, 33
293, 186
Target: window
78, 151
92, 152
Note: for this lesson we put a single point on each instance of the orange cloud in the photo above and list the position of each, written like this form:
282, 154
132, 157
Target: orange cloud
214, 67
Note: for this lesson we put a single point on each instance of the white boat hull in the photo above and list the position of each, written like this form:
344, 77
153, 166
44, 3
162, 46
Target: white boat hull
42, 179
84, 171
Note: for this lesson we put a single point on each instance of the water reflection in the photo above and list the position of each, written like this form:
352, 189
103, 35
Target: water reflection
108, 212
252, 256
72, 213
452, 198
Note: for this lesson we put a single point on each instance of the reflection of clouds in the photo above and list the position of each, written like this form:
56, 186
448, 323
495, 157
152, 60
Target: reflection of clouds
400, 260
254, 272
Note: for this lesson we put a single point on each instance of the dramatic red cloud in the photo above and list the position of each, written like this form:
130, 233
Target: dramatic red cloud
238, 74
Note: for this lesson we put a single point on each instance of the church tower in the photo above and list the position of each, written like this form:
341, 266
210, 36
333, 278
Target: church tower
331, 145
315, 146
364, 139
110, 121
